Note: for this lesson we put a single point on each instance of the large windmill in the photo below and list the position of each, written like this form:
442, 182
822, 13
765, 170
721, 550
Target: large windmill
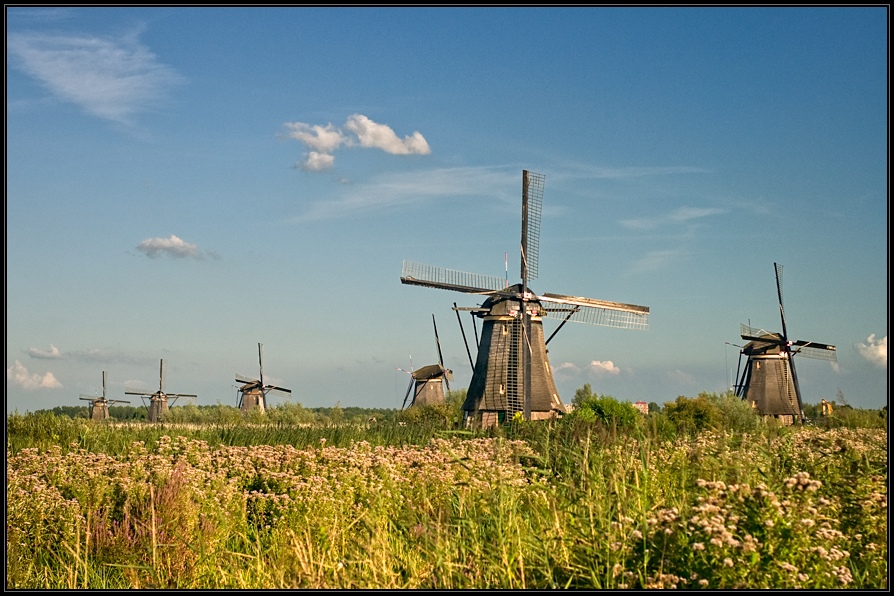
769, 381
427, 383
253, 392
158, 400
99, 408
512, 373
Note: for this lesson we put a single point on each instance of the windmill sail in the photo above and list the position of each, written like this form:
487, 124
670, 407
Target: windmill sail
769, 380
512, 373
158, 404
253, 392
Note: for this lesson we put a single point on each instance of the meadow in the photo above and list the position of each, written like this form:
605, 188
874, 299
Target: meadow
702, 494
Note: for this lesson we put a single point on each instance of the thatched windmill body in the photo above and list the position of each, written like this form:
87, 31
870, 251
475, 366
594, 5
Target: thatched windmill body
253, 392
99, 406
512, 373
769, 381
157, 402
427, 383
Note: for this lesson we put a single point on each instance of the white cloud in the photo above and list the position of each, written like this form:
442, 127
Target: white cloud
316, 162
107, 78
359, 130
173, 246
874, 350
17, 374
380, 136
52, 354
603, 367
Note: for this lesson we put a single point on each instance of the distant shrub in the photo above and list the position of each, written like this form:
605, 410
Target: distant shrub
694, 414
590, 407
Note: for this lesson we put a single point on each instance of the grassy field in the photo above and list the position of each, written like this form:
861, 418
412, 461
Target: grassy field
657, 501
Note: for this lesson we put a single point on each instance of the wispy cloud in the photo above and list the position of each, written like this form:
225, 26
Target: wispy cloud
52, 354
93, 355
874, 350
656, 260
172, 246
111, 78
401, 189
18, 375
358, 131
683, 215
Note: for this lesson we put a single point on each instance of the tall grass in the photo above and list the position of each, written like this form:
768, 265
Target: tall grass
572, 504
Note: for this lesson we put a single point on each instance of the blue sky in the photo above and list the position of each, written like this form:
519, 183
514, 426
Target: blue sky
184, 183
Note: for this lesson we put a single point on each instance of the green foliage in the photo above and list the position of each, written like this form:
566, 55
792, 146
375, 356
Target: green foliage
695, 414
590, 407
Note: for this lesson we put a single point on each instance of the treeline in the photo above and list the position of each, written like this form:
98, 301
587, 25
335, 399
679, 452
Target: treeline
704, 411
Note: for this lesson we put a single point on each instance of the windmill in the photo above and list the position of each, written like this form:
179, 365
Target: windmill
99, 409
512, 372
253, 392
429, 381
769, 381
158, 401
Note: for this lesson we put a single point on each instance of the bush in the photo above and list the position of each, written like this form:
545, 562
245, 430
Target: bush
694, 414
605, 409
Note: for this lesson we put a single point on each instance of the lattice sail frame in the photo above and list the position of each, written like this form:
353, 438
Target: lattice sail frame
590, 311
803, 348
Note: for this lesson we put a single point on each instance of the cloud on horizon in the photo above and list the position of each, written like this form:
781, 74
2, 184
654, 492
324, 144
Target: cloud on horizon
358, 131
110, 78
18, 375
874, 350
173, 247
52, 354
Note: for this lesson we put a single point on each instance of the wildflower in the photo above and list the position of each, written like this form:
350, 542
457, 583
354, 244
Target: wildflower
698, 546
703, 583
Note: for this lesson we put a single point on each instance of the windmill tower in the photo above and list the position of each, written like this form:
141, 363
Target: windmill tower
253, 392
99, 409
427, 383
512, 372
769, 381
158, 401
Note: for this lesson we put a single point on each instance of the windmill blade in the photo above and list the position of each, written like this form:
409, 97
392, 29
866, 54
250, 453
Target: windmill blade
104, 378
269, 388
418, 274
597, 312
532, 202
243, 379
778, 268
407, 394
757, 334
437, 341
818, 351
463, 331
131, 391
448, 375
161, 376
176, 395
88, 398
261, 362
118, 401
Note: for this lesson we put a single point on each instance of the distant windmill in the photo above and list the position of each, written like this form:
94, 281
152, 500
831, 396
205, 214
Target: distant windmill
427, 383
158, 401
99, 409
769, 381
253, 392
512, 373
